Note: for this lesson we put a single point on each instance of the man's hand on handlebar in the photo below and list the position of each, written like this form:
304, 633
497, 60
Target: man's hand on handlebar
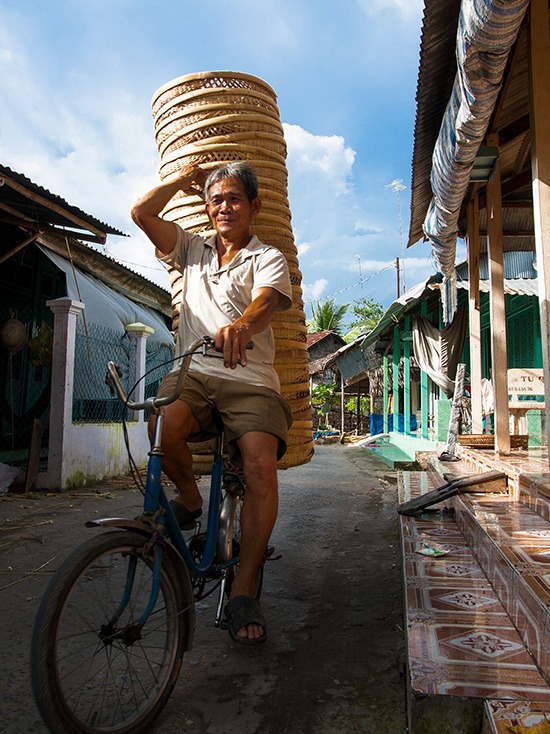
232, 341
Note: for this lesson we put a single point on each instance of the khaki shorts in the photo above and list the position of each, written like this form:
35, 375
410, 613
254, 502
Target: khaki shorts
242, 407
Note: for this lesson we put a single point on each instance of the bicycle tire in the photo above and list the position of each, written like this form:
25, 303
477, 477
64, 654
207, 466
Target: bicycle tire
89, 681
230, 540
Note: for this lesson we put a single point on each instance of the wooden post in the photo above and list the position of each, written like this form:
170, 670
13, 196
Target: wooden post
358, 416
540, 165
499, 356
34, 455
407, 376
397, 276
474, 315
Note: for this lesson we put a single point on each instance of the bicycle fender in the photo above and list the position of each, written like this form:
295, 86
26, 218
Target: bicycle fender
120, 522
177, 560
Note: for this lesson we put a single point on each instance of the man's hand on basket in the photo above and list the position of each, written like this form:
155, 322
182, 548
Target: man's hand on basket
192, 176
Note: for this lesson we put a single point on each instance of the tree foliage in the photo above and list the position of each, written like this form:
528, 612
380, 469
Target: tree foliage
324, 397
367, 313
327, 316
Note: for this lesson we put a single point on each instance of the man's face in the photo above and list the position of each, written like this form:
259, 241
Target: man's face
230, 211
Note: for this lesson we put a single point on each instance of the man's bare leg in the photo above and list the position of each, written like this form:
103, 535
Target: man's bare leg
177, 463
258, 514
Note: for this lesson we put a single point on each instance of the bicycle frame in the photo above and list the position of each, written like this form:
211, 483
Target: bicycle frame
155, 497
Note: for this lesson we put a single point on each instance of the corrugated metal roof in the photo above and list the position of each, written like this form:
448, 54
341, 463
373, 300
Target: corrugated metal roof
520, 275
36, 204
317, 336
437, 69
516, 265
485, 35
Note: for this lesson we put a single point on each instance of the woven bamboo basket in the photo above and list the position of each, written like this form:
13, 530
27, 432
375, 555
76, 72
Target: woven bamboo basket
211, 118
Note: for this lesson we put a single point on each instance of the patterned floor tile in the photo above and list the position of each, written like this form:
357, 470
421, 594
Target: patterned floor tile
461, 641
501, 715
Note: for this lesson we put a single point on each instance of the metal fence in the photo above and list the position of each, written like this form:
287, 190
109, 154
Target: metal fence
95, 346
159, 361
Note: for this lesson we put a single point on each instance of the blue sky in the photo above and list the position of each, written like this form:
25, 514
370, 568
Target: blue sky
77, 78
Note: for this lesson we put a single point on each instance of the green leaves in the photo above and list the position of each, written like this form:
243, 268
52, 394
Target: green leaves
327, 316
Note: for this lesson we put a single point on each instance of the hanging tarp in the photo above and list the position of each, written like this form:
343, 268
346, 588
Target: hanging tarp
486, 32
107, 307
438, 352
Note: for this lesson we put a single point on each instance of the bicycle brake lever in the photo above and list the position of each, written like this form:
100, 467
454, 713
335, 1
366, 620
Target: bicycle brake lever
109, 379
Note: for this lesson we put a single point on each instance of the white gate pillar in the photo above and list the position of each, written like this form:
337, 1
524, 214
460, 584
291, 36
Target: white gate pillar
61, 406
140, 333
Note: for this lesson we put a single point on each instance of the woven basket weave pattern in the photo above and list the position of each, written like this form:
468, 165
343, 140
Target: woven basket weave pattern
212, 118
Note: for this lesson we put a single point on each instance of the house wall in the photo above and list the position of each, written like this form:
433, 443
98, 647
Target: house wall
84, 453
96, 451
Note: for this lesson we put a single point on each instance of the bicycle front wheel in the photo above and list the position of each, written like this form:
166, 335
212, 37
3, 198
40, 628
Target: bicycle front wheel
94, 669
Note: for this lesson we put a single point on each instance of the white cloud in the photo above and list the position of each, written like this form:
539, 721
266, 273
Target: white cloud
75, 117
315, 290
324, 156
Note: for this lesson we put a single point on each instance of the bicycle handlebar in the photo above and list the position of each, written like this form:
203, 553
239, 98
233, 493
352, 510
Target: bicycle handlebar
154, 403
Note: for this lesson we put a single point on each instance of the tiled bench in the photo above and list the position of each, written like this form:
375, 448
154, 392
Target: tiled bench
462, 646
512, 544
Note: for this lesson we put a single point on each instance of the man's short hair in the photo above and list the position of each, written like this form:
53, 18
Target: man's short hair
242, 171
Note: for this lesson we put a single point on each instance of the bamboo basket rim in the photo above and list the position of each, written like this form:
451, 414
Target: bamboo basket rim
234, 138
290, 343
197, 149
169, 168
192, 98
221, 119
198, 75
175, 142
253, 158
265, 112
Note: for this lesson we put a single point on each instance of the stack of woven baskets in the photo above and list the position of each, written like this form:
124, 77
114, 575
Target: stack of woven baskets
211, 118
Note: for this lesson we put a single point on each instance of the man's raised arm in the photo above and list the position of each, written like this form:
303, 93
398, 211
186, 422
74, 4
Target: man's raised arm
146, 211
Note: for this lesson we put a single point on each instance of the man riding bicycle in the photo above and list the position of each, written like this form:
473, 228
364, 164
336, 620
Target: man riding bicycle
232, 286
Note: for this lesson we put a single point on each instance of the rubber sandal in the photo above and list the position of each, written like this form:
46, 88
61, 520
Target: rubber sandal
186, 518
241, 611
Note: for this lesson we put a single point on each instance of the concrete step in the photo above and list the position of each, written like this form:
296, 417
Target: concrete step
463, 647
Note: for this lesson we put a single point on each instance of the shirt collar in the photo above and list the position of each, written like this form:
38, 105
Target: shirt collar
245, 253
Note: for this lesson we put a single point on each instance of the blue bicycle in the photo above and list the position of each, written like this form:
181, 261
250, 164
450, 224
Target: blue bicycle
119, 613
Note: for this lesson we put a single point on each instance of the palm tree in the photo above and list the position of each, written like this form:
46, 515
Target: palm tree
327, 316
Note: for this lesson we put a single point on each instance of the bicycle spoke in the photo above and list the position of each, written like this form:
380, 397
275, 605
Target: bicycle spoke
108, 674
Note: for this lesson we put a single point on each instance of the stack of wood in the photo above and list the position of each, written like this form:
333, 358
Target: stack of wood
212, 118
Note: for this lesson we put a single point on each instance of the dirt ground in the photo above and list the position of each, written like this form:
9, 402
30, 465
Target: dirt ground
334, 659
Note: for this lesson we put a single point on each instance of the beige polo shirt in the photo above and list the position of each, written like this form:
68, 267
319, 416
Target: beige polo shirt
214, 296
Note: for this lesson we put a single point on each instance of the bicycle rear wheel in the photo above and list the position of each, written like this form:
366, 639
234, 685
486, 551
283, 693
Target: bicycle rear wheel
93, 669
